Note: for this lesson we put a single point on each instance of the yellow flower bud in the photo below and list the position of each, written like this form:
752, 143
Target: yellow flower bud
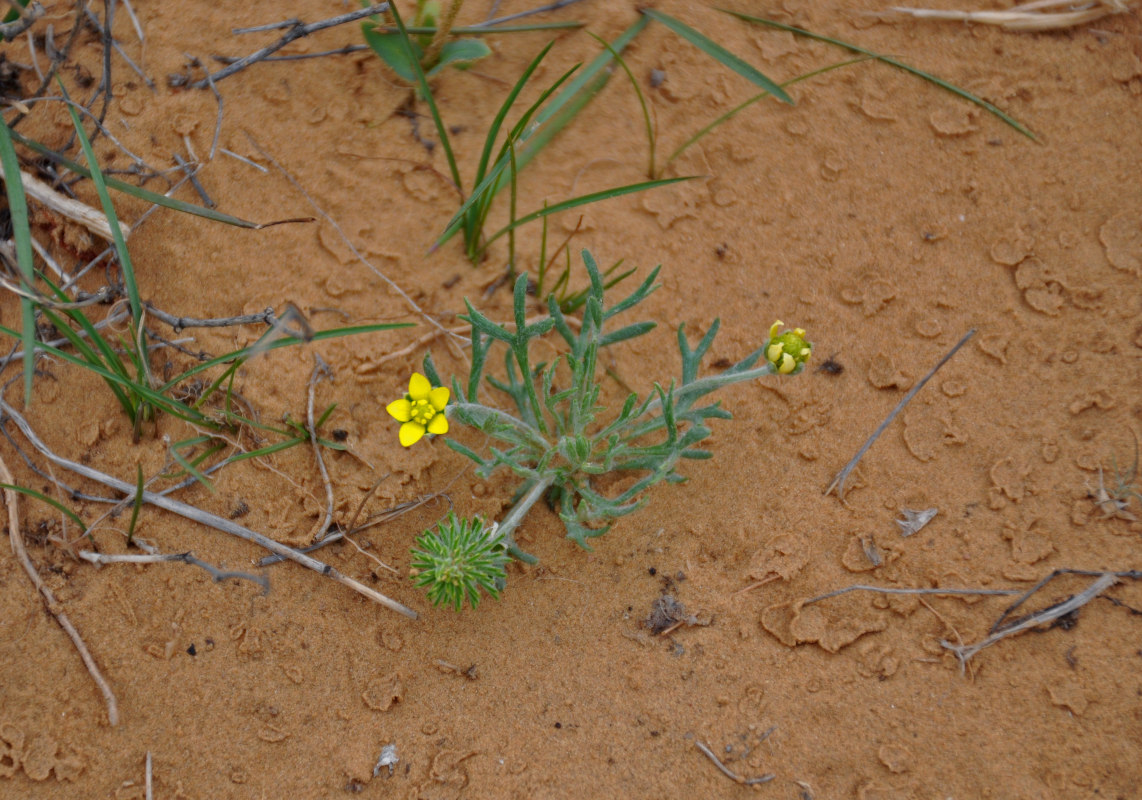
788, 351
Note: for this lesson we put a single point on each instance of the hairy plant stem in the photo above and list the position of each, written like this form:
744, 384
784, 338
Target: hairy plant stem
477, 414
516, 515
443, 29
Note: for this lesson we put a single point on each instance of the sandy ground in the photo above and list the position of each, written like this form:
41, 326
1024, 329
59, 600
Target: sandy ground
883, 214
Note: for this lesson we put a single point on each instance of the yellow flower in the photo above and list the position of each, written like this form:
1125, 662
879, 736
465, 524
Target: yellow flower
788, 351
420, 411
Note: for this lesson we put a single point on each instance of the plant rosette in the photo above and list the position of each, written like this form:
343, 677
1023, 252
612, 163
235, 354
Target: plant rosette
553, 439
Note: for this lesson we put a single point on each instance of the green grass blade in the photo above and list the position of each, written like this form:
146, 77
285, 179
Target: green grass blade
324, 417
95, 348
422, 82
733, 112
285, 341
541, 268
501, 115
189, 468
215, 447
638, 93
471, 216
979, 101
586, 199
512, 210
226, 377
106, 356
136, 191
549, 121
474, 211
108, 210
418, 30
269, 449
719, 54
101, 356
590, 73
145, 393
14, 15
22, 233
49, 500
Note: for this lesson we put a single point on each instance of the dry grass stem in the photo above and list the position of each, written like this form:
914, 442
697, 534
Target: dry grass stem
16, 537
320, 370
839, 482
372, 366
756, 584
412, 304
860, 587
94, 221
729, 773
1035, 16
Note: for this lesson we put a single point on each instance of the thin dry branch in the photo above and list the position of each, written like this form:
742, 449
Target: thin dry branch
28, 15
216, 573
16, 537
200, 516
1100, 584
297, 30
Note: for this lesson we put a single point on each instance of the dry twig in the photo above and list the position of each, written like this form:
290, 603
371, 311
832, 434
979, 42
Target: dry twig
16, 537
217, 574
190, 512
297, 30
95, 221
27, 16
729, 773
1100, 584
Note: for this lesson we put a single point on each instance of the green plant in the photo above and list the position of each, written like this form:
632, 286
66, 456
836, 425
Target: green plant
499, 166
554, 440
458, 559
429, 44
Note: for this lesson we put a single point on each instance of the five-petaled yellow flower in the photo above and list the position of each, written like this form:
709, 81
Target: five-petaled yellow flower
420, 411
789, 350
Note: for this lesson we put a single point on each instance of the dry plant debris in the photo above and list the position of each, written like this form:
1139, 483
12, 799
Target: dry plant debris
1041, 15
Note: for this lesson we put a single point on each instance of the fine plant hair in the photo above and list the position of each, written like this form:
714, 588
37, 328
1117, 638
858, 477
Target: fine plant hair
554, 440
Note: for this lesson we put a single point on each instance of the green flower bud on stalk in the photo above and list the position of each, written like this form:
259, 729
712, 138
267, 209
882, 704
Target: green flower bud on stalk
789, 351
